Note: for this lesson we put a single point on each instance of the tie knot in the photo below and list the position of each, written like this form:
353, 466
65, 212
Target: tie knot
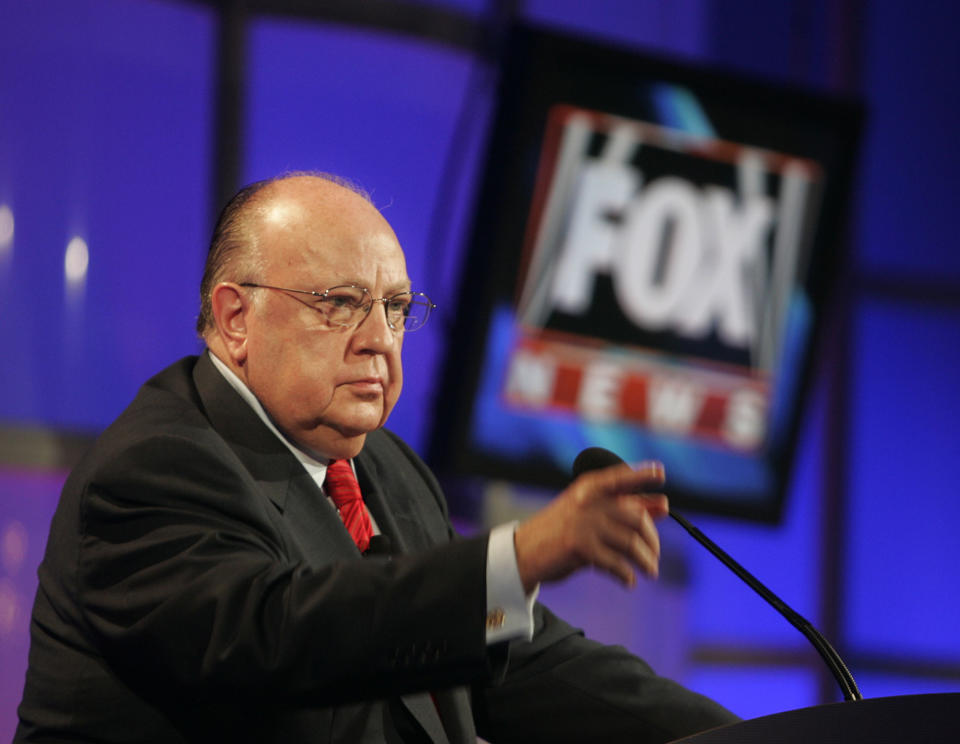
341, 484
344, 491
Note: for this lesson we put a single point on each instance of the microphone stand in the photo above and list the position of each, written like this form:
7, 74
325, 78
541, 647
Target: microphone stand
594, 458
827, 652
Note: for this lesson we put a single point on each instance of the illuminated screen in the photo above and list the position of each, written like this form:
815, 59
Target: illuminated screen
649, 262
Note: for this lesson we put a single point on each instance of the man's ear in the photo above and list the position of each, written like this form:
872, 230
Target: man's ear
230, 305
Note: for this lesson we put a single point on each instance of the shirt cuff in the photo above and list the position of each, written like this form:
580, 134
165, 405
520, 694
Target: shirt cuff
509, 610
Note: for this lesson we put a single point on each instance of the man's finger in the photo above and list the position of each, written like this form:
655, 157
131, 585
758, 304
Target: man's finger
618, 479
653, 469
639, 512
641, 546
657, 505
613, 562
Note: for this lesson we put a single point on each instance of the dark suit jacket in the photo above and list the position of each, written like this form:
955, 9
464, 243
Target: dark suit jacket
197, 586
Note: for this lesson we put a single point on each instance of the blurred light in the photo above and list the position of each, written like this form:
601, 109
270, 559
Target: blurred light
6, 226
13, 546
76, 260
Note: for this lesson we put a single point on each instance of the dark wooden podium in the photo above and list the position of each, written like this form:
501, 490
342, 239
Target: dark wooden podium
907, 719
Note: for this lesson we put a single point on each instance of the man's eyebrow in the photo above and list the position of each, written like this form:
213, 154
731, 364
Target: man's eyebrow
403, 286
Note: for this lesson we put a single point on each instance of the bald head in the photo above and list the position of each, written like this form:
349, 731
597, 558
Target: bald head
237, 248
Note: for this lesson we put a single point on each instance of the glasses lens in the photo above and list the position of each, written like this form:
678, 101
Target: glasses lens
342, 306
409, 310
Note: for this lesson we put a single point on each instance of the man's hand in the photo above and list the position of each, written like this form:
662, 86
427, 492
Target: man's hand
603, 520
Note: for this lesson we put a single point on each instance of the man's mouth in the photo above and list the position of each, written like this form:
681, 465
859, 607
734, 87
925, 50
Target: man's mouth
366, 385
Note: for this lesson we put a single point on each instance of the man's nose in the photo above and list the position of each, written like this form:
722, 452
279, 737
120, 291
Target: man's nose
374, 331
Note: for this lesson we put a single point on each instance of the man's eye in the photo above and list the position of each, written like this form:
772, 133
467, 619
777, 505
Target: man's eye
339, 302
398, 306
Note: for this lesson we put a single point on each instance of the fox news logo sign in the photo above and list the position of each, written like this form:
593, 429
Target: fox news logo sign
658, 272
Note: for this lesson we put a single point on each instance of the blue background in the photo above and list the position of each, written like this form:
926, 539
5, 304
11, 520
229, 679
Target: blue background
107, 133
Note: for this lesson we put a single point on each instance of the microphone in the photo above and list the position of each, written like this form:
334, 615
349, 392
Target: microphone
597, 458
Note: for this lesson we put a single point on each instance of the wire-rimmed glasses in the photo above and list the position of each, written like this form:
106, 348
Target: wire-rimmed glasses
346, 305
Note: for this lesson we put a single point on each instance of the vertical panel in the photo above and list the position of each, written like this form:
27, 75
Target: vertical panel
911, 73
103, 138
904, 559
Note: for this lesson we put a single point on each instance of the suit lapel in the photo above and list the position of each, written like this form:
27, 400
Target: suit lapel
306, 512
383, 508
261, 453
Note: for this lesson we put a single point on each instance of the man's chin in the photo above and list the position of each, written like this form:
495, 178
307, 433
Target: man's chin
344, 439
334, 445
365, 418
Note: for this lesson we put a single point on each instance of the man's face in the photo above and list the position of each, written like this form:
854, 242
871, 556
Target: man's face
324, 389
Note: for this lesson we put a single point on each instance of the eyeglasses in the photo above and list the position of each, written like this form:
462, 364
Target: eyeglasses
346, 305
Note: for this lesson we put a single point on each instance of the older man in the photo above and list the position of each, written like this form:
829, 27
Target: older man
200, 584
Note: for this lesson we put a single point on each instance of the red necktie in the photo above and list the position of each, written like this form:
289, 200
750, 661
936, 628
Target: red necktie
342, 488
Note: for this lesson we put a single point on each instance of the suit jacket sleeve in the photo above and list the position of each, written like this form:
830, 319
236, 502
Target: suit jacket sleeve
563, 687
